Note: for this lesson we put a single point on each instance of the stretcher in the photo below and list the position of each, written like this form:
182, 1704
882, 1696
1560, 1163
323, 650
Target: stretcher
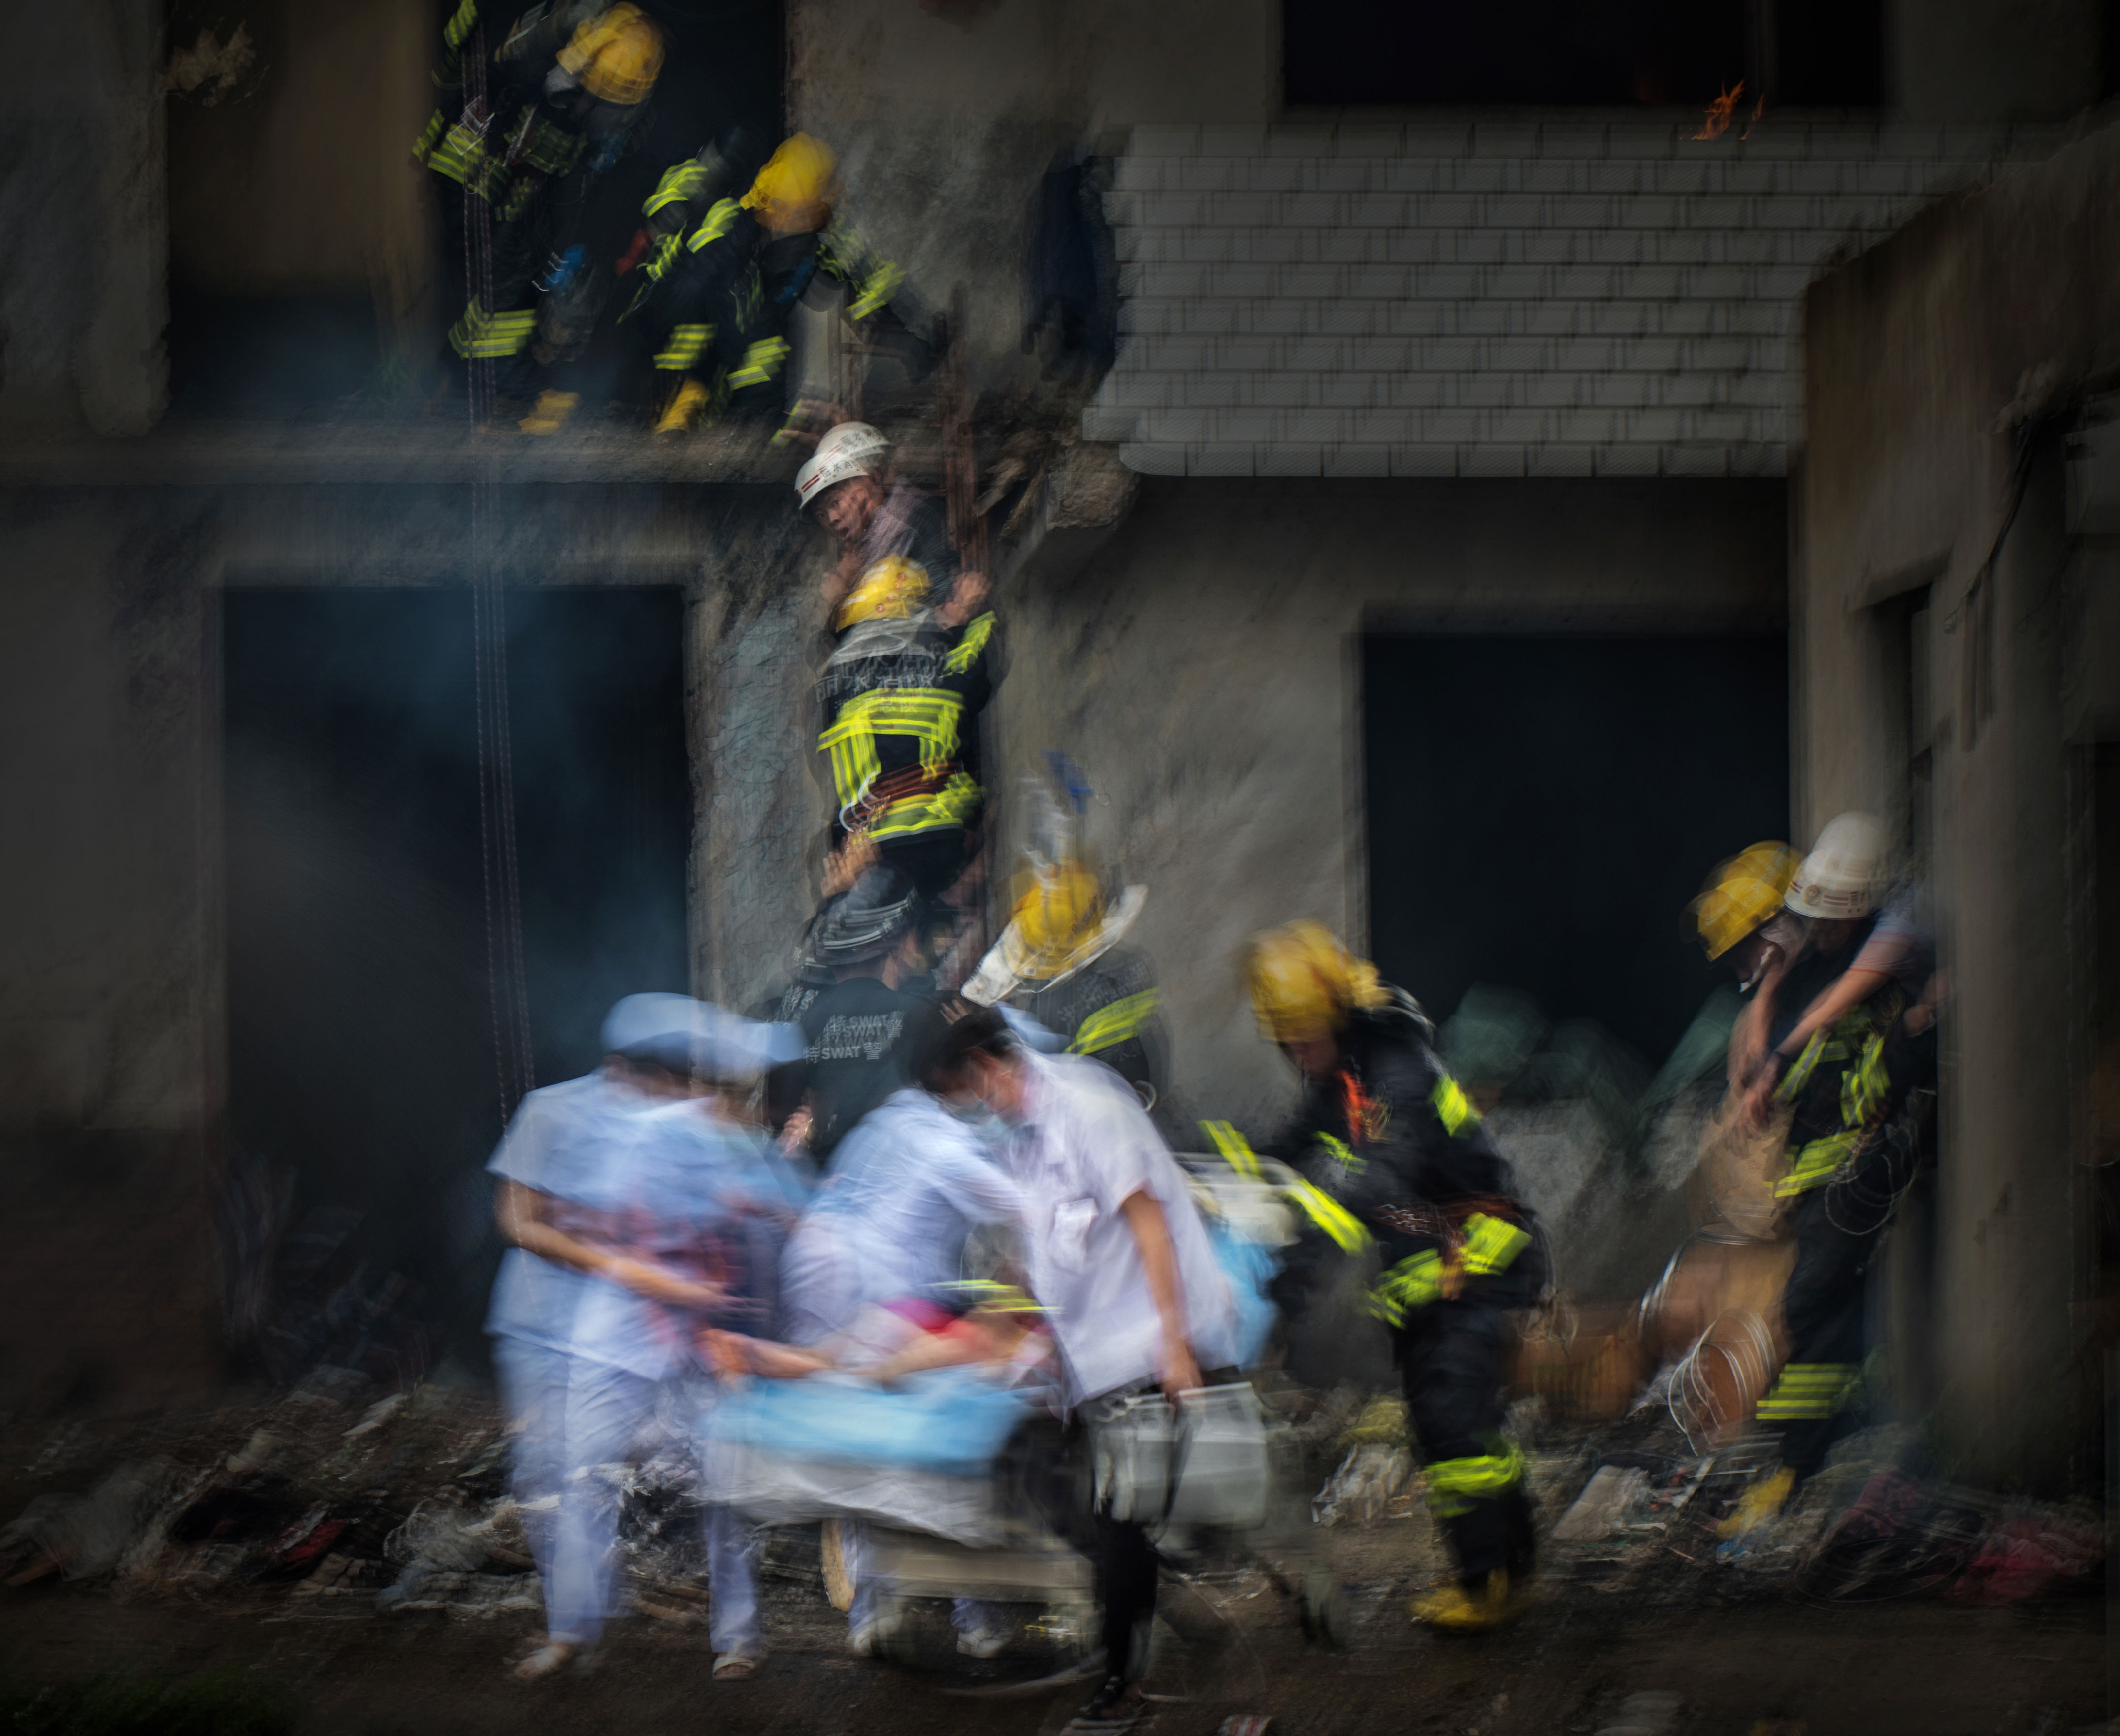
916, 1469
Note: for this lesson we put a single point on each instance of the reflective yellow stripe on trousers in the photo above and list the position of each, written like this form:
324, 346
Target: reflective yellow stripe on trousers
1810, 1392
1454, 1484
684, 347
480, 333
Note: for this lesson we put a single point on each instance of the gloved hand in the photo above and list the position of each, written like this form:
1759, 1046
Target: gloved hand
633, 254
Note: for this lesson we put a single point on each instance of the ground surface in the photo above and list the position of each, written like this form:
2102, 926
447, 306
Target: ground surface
1572, 1665
1642, 1630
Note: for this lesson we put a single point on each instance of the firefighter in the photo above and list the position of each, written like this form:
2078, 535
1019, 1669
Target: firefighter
725, 292
1060, 958
910, 671
1744, 923
564, 91
1856, 1064
1386, 1133
851, 485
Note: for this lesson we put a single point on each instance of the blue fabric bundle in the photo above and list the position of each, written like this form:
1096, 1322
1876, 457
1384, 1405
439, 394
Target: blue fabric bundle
951, 1420
1249, 1266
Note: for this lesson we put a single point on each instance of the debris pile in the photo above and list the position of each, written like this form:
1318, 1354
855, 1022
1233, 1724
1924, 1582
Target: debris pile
1666, 1523
329, 1501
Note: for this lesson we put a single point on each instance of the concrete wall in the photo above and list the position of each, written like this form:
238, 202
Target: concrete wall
112, 1000
1971, 60
1942, 369
1201, 666
297, 177
83, 189
945, 116
1203, 670
109, 966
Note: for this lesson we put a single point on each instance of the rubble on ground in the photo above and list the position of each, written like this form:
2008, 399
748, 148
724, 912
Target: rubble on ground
334, 1500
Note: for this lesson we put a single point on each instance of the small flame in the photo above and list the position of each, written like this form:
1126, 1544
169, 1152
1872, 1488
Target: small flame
1721, 111
1759, 109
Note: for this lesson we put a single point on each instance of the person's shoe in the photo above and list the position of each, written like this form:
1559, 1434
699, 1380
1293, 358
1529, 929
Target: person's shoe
1757, 1505
872, 1638
734, 1666
682, 413
1119, 1705
550, 414
1458, 1609
547, 1661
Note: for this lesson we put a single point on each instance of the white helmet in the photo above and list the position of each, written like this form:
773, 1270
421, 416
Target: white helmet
1844, 873
851, 450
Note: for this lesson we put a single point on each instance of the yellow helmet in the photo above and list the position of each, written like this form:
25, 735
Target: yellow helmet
1741, 894
1055, 916
1303, 983
793, 191
617, 55
893, 589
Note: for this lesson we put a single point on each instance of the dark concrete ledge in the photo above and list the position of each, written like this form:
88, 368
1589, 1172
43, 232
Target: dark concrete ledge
379, 450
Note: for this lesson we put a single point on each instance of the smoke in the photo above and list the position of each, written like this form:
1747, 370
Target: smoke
362, 1055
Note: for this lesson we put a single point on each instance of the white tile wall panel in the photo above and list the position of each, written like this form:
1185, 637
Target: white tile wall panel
1566, 297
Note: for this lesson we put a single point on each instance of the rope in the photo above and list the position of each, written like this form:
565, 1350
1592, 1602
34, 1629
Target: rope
1750, 1363
507, 980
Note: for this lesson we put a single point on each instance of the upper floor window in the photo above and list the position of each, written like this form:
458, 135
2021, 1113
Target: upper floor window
1608, 53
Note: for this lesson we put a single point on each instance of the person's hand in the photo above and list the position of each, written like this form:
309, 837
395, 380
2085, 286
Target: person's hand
848, 862
840, 579
1176, 1370
795, 1132
1758, 1096
966, 600
653, 1283
1744, 1057
725, 1353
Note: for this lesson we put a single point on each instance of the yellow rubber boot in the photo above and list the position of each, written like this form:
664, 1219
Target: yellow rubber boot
1455, 1610
1759, 1504
550, 414
683, 410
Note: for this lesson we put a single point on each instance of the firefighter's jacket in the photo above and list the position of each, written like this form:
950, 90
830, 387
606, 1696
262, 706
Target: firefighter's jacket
1391, 1139
1108, 1009
726, 287
899, 704
506, 156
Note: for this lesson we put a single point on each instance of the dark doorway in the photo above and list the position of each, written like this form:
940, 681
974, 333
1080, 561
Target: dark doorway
1541, 810
364, 1095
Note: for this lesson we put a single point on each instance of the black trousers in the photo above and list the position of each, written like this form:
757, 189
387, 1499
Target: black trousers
1047, 1468
1822, 1309
1839, 1229
1123, 1566
1451, 1355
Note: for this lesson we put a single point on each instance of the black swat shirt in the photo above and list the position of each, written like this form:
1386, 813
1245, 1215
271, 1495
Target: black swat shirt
852, 1031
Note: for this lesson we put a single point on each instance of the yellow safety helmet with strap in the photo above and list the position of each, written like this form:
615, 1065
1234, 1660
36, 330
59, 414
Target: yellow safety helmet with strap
1054, 915
617, 55
793, 192
1303, 984
893, 588
1741, 894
